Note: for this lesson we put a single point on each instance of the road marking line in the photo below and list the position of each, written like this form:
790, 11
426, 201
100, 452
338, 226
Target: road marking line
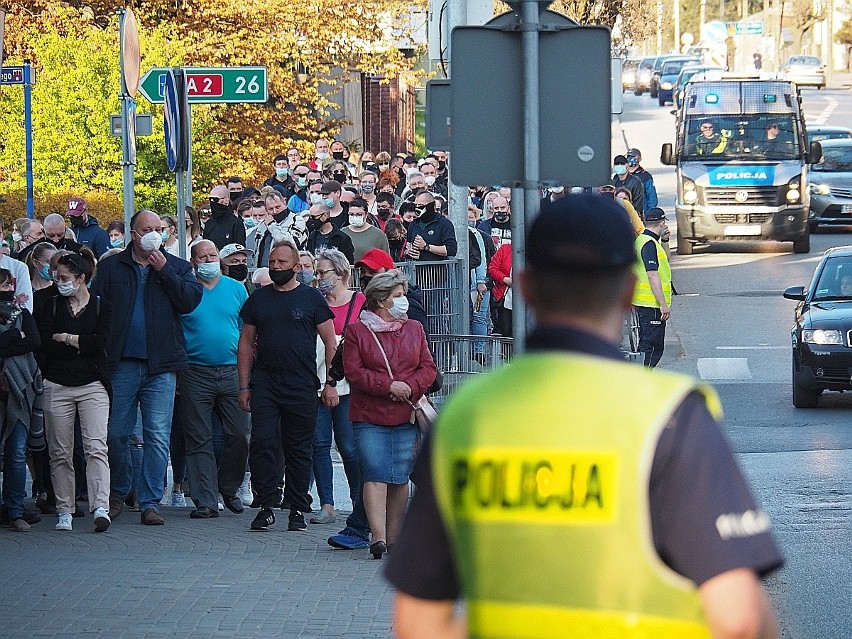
822, 118
724, 368
752, 348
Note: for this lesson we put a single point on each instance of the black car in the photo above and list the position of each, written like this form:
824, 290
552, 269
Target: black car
822, 335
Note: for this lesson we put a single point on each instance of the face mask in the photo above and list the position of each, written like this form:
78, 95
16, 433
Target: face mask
280, 172
238, 272
220, 210
442, 165
77, 221
44, 272
619, 169
280, 278
249, 222
150, 241
7, 296
368, 188
365, 279
337, 155
16, 237
328, 202
67, 289
301, 182
315, 198
326, 286
208, 271
340, 177
383, 213
322, 156
471, 223
430, 180
501, 216
305, 277
357, 221
314, 224
165, 236
557, 189
399, 308
396, 244
116, 243
428, 213
236, 195
384, 167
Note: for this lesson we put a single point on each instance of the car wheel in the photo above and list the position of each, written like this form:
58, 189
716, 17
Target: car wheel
661, 101
637, 92
803, 244
803, 397
684, 247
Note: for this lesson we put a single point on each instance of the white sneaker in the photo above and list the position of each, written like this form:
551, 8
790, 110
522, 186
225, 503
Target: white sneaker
178, 500
102, 520
221, 505
64, 522
244, 491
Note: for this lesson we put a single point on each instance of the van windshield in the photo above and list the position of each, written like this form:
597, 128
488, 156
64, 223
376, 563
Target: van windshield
741, 137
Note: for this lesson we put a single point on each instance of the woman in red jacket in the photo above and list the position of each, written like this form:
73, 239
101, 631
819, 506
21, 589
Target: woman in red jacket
389, 367
500, 270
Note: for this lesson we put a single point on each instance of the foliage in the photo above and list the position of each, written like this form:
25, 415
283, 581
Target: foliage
844, 37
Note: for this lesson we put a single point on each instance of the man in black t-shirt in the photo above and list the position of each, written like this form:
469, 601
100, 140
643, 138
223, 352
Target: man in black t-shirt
323, 234
279, 386
697, 517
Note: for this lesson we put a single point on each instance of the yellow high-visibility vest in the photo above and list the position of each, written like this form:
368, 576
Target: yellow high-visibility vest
642, 294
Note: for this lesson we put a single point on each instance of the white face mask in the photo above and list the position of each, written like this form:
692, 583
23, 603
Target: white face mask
357, 221
316, 198
151, 241
67, 289
557, 189
430, 180
322, 156
400, 307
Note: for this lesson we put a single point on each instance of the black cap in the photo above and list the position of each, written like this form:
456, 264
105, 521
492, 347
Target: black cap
581, 232
655, 215
620, 159
634, 152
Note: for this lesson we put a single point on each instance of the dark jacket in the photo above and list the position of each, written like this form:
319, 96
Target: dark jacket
93, 236
636, 188
225, 228
437, 232
336, 239
172, 292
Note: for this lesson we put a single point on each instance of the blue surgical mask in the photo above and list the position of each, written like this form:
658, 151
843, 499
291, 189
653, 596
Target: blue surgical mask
208, 271
329, 202
302, 182
280, 172
165, 236
619, 169
249, 222
44, 272
117, 243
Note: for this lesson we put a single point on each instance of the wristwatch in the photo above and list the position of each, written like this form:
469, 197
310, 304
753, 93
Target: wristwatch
331, 382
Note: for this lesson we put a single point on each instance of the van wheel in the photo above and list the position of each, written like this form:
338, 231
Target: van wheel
803, 244
637, 91
661, 101
684, 247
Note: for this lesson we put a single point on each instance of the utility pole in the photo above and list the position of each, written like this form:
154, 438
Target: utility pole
702, 16
659, 27
676, 17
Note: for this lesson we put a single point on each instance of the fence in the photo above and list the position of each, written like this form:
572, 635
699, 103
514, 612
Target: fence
460, 357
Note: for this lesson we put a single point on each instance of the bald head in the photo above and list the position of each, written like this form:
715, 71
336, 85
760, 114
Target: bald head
222, 193
54, 228
319, 210
202, 246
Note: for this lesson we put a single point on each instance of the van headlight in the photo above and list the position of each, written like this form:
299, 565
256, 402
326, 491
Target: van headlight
666, 85
821, 189
793, 192
690, 195
821, 336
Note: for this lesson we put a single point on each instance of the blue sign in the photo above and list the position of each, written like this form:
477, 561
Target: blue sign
12, 75
742, 175
171, 122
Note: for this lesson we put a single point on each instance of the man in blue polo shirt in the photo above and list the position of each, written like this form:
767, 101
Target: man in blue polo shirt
210, 383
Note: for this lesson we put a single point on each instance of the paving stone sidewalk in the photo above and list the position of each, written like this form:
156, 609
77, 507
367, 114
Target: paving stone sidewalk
189, 578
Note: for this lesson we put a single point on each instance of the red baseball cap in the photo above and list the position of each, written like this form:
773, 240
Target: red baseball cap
374, 259
76, 206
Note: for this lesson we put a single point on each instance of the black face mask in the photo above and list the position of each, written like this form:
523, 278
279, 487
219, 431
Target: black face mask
314, 224
236, 195
238, 272
365, 279
339, 176
429, 214
280, 278
396, 245
77, 221
7, 296
219, 210
501, 217
442, 166
337, 155
384, 214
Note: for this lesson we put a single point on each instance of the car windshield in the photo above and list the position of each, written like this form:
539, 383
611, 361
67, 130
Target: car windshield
835, 159
816, 136
835, 281
804, 60
741, 137
674, 67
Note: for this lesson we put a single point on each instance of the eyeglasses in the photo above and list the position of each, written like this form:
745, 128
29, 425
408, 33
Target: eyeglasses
322, 273
706, 127
300, 174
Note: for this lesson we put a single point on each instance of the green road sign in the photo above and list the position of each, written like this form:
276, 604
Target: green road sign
211, 85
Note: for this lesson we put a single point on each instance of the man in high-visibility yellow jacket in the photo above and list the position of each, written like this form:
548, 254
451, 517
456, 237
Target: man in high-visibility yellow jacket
572, 493
653, 295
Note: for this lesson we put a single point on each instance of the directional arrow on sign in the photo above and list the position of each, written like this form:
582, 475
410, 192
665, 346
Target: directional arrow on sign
211, 85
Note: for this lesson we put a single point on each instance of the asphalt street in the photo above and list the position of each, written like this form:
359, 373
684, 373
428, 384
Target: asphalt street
731, 328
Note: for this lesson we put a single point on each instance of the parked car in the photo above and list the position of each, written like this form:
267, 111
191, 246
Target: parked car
628, 73
654, 83
694, 72
831, 185
643, 75
820, 132
805, 70
822, 350
668, 77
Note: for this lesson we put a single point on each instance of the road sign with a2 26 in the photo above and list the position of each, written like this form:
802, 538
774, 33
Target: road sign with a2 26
212, 85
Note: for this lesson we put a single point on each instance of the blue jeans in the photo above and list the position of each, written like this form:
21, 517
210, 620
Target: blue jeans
335, 420
133, 388
15, 472
479, 319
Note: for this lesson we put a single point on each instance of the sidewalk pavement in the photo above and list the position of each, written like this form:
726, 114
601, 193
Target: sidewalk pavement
189, 578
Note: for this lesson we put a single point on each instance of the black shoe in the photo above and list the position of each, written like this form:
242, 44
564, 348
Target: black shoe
256, 503
264, 521
46, 504
378, 549
296, 521
77, 512
234, 504
205, 512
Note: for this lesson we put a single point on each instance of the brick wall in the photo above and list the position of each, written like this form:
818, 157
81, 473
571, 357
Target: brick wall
388, 115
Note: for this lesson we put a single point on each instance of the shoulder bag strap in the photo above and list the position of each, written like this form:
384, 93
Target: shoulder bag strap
349, 311
382, 350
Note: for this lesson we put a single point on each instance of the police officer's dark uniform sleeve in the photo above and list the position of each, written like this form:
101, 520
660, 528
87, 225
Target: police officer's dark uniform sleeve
649, 256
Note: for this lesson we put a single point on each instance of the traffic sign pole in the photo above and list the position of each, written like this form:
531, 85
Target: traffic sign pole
28, 134
127, 167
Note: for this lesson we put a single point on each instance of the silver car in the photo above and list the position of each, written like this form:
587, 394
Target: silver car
831, 185
805, 70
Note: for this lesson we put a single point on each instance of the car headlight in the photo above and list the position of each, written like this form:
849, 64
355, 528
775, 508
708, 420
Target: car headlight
793, 192
666, 85
690, 195
821, 336
821, 189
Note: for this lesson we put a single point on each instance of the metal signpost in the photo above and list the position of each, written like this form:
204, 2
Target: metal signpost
176, 132
25, 76
131, 60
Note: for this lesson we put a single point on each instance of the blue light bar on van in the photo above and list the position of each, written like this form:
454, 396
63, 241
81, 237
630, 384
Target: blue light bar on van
769, 98
711, 98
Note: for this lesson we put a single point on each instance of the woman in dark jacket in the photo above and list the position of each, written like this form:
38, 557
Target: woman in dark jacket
75, 328
389, 367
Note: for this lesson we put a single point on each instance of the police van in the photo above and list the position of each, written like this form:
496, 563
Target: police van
742, 158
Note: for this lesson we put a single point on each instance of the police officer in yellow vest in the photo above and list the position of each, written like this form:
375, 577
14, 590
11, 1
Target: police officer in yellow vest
573, 494
653, 295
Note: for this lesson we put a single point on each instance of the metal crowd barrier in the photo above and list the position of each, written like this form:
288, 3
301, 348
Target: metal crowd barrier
461, 357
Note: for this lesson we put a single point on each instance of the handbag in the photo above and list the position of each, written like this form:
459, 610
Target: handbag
425, 413
335, 371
